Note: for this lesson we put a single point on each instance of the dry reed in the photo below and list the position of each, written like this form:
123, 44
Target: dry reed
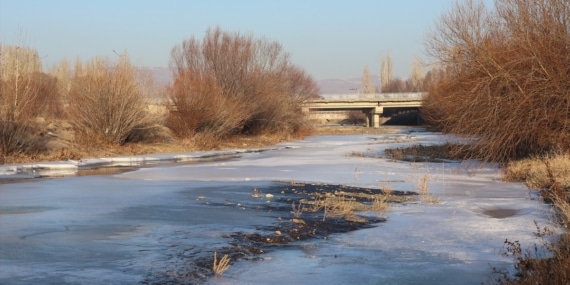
222, 265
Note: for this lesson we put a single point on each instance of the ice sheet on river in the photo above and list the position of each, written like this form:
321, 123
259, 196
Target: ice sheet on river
118, 228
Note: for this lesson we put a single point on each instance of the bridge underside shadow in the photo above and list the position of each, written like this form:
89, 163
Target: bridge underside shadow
403, 117
409, 116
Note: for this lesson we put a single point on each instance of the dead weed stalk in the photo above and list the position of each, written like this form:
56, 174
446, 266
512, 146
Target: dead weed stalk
297, 210
424, 191
222, 265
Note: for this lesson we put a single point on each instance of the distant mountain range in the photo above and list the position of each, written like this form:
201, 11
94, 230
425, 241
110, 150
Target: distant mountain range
163, 76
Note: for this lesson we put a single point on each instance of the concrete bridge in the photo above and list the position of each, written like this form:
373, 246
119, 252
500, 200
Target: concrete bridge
374, 106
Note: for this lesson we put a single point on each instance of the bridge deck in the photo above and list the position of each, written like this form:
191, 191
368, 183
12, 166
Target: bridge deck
371, 104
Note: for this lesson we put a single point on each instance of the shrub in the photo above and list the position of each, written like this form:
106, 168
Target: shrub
200, 107
19, 139
106, 101
25, 93
506, 74
547, 263
230, 83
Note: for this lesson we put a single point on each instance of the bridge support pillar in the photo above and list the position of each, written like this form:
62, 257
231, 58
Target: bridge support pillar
376, 121
375, 116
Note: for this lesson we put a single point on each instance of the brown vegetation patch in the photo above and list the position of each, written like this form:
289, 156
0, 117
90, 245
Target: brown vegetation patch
427, 153
55, 140
351, 130
549, 262
504, 76
534, 173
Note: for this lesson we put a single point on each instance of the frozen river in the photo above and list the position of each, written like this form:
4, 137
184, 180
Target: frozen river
136, 226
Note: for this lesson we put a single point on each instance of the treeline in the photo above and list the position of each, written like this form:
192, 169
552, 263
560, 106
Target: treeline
417, 81
224, 85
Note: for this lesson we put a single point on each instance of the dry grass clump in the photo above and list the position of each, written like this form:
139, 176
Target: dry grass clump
351, 130
424, 191
340, 207
379, 204
222, 265
427, 153
534, 173
343, 204
551, 175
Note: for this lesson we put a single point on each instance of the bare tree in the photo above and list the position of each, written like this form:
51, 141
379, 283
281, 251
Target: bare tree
386, 72
106, 102
25, 93
18, 94
416, 78
367, 85
434, 75
62, 72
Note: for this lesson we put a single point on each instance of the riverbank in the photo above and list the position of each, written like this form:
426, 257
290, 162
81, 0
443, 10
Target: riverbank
59, 143
64, 158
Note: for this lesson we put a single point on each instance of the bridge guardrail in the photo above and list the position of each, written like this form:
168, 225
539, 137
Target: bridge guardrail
407, 95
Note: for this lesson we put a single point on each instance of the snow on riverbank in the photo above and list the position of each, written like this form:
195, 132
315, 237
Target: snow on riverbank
72, 167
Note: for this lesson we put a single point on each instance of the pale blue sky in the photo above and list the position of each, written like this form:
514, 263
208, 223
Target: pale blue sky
328, 38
